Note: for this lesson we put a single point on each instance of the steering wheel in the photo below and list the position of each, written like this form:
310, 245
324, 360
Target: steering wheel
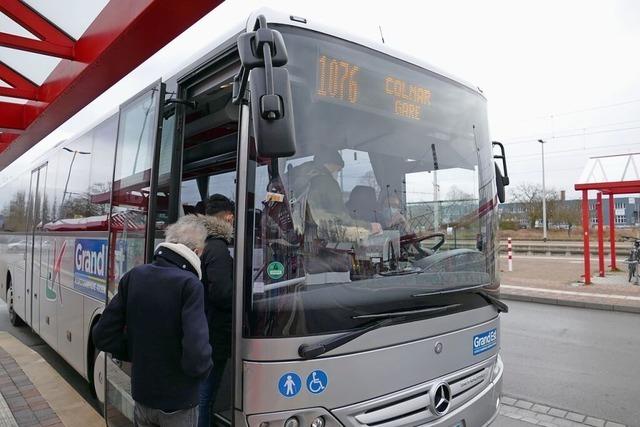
412, 242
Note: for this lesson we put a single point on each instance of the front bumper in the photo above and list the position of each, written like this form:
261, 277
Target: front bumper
481, 410
477, 411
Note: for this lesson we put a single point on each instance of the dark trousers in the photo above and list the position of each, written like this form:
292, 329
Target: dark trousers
149, 417
209, 391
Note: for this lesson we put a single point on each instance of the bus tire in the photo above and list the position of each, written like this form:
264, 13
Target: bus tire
14, 319
97, 375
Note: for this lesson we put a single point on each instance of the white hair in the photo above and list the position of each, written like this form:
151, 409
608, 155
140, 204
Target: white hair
189, 231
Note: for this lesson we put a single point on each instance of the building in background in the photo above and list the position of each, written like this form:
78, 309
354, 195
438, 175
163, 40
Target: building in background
566, 213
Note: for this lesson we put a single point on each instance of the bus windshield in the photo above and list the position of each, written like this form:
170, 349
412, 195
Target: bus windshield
388, 203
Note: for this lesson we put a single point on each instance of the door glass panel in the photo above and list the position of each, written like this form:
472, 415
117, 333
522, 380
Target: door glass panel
136, 141
209, 168
32, 213
40, 247
164, 170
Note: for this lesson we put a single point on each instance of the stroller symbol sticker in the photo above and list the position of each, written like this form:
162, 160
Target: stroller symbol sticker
289, 384
317, 382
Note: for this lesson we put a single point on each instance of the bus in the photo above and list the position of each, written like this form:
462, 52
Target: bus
366, 290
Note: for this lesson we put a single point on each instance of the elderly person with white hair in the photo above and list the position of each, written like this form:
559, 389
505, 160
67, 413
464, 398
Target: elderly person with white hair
157, 322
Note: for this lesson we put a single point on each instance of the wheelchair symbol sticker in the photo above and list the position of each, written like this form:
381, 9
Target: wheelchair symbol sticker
317, 382
289, 384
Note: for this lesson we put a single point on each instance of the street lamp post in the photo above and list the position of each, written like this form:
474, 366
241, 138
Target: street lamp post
73, 159
544, 197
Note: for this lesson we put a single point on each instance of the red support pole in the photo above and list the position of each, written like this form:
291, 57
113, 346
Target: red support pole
585, 233
612, 232
600, 235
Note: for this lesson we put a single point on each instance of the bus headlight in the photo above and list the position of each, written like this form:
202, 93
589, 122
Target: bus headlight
309, 417
318, 422
497, 368
292, 422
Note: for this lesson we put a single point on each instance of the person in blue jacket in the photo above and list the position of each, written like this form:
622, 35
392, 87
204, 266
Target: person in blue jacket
157, 322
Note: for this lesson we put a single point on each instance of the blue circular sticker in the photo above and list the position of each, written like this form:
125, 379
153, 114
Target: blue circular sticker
289, 384
317, 382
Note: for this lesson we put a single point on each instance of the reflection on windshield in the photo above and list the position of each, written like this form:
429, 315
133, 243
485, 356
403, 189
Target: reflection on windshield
374, 191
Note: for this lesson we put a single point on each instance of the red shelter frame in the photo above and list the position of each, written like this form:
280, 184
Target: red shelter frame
603, 188
123, 35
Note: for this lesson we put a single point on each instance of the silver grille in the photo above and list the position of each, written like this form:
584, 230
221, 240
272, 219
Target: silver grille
411, 406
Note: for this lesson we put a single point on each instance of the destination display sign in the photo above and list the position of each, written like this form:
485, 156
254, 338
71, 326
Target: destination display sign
342, 81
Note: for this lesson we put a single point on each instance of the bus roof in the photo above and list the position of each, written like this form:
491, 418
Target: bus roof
278, 17
187, 51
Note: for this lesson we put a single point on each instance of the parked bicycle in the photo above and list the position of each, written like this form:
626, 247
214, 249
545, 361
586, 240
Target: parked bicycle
634, 257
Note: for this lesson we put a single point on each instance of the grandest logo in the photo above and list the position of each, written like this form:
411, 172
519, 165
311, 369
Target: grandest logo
485, 341
91, 257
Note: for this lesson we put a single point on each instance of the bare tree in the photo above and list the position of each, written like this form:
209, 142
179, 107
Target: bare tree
569, 213
457, 194
15, 215
529, 196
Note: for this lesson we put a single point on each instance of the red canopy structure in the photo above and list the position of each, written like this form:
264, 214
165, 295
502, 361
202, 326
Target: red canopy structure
608, 175
122, 35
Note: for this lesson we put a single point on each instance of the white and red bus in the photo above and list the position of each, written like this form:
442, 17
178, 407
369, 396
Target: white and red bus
378, 308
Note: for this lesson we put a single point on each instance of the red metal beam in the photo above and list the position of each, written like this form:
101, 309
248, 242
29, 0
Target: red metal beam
612, 232
628, 190
6, 139
36, 46
585, 237
21, 87
600, 235
12, 117
121, 37
609, 187
53, 41
16, 117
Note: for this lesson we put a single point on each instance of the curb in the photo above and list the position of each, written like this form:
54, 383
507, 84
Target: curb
570, 303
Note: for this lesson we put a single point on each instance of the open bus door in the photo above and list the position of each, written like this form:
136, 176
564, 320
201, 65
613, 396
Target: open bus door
132, 222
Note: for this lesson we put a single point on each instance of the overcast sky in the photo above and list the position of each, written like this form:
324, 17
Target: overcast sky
566, 71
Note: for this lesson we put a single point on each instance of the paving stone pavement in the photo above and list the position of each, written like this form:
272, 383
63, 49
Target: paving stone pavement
34, 394
543, 415
21, 404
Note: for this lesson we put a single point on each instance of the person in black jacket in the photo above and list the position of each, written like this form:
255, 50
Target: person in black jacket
157, 322
217, 277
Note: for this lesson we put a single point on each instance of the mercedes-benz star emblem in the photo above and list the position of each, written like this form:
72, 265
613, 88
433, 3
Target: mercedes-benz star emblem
440, 398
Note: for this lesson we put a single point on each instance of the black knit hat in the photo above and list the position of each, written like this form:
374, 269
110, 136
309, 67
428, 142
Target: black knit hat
218, 203
329, 157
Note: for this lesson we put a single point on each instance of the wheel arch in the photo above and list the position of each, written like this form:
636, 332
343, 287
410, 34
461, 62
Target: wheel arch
6, 285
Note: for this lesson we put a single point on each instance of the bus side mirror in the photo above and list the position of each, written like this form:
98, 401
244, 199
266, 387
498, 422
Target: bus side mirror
272, 114
500, 184
263, 54
501, 180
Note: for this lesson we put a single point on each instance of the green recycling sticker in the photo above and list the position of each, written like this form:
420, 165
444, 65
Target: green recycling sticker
275, 270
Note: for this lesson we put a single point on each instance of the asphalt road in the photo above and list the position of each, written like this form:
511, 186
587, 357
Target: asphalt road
577, 359
29, 338
574, 358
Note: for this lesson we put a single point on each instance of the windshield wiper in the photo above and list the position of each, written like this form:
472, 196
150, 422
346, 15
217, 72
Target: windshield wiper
310, 351
395, 314
499, 305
